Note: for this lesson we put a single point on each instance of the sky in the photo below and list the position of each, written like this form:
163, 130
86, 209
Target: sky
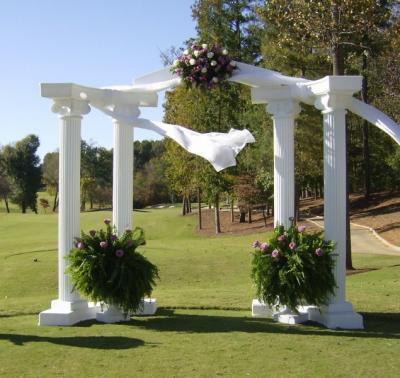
89, 42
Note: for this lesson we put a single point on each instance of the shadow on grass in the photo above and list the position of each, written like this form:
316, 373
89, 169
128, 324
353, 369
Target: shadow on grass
29, 253
377, 325
92, 342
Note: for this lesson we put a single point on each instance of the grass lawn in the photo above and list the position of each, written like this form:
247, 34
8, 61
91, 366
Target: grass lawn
204, 327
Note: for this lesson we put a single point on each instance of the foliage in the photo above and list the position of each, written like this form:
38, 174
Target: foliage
22, 166
293, 268
204, 66
50, 175
44, 203
108, 268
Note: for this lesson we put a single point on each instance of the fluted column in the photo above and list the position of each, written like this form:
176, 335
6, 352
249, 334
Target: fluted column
123, 166
68, 308
333, 102
283, 113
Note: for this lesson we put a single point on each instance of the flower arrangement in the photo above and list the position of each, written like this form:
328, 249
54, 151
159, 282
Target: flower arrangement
204, 66
293, 268
107, 268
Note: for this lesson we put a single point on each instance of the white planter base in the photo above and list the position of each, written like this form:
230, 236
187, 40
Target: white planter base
261, 310
149, 307
64, 313
112, 314
338, 315
288, 317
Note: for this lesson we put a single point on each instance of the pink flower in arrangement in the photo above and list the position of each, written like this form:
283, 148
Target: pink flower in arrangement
119, 253
103, 244
107, 221
302, 228
255, 244
129, 243
319, 252
264, 246
92, 233
281, 238
292, 245
275, 253
80, 245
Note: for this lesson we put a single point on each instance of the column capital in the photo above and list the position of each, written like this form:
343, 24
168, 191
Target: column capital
125, 114
70, 107
283, 108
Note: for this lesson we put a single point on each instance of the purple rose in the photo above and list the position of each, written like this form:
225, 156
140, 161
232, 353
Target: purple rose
319, 252
107, 221
292, 245
114, 237
255, 244
281, 238
119, 253
264, 246
92, 233
275, 253
128, 231
129, 243
302, 228
103, 244
80, 245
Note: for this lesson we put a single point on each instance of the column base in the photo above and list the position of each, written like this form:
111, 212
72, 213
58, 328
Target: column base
64, 313
336, 315
259, 309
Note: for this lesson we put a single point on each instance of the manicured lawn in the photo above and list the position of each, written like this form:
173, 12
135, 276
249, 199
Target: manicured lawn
204, 327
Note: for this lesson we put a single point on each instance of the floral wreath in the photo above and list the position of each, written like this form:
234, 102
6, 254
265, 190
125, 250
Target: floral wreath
204, 66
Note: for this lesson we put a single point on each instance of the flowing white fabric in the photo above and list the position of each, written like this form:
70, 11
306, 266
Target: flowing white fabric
220, 149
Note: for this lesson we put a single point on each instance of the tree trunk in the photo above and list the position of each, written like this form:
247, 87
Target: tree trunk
242, 218
23, 207
296, 202
264, 217
199, 205
91, 202
216, 212
250, 211
183, 205
7, 207
365, 134
232, 212
55, 201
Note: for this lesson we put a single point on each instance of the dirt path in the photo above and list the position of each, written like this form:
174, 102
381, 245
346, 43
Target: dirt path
362, 240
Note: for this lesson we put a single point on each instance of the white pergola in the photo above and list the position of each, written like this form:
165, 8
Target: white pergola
333, 95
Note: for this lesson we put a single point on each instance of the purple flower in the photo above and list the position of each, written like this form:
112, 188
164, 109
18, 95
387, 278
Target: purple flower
275, 253
264, 246
119, 253
107, 221
292, 245
129, 243
302, 228
114, 237
80, 245
281, 238
255, 244
319, 252
103, 244
92, 233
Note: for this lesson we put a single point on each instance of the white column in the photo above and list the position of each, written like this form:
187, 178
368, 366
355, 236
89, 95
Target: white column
68, 309
339, 313
122, 176
283, 113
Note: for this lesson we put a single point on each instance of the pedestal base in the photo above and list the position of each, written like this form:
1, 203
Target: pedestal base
149, 307
289, 317
64, 313
338, 315
261, 310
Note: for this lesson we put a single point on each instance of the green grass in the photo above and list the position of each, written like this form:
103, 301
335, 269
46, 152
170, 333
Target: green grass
204, 328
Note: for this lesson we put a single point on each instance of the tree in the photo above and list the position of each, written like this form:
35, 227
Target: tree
44, 203
50, 175
22, 165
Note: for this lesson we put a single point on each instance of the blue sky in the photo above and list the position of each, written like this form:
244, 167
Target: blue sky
90, 42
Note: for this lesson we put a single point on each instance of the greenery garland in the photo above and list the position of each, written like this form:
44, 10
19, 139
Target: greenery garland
203, 66
107, 268
293, 268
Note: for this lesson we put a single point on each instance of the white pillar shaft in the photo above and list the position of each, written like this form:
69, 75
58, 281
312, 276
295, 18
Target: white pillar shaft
335, 192
283, 170
122, 176
69, 199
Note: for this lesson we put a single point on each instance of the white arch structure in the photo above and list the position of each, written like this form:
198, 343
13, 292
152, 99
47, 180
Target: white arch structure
333, 95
